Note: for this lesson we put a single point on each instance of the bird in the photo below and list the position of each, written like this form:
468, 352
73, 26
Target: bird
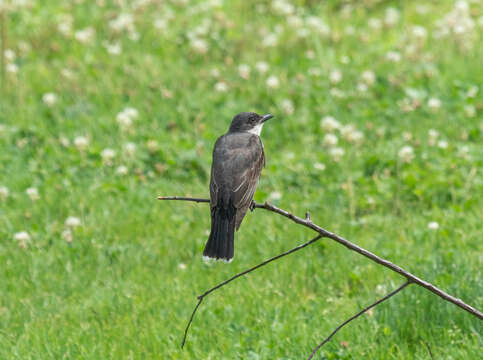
238, 159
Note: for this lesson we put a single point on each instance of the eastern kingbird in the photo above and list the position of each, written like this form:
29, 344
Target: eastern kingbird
238, 159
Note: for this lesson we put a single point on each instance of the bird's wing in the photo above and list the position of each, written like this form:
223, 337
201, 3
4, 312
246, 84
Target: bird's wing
247, 181
213, 189
237, 163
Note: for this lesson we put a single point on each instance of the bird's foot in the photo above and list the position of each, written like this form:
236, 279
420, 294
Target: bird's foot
252, 206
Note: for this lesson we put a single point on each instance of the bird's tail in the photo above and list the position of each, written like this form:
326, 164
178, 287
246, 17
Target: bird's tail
220, 245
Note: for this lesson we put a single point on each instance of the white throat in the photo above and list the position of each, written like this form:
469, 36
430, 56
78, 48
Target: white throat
257, 130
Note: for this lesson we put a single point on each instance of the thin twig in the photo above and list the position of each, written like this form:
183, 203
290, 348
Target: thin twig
191, 320
358, 249
429, 349
356, 316
202, 296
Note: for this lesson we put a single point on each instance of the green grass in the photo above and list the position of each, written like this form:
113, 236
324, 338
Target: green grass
125, 285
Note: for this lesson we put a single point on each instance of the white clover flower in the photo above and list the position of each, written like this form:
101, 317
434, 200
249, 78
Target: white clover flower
407, 135
314, 71
392, 16
126, 116
346, 130
11, 68
9, 55
432, 136
161, 24
318, 25
244, 71
121, 170
335, 76
108, 155
282, 7
64, 141
393, 56
221, 86
368, 77
262, 67
81, 143
462, 6
67, 235
182, 266
336, 153
354, 136
23, 238
123, 120
287, 106
330, 140
434, 103
65, 27
67, 73
329, 123
381, 289
130, 148
470, 111
124, 21
32, 193
337, 93
319, 166
3, 193
419, 32
406, 154
422, 9
276, 195
472, 91
273, 82
361, 87
215, 73
433, 225
443, 144
464, 152
303, 32
72, 222
310, 54
199, 46
85, 35
131, 112
350, 30
270, 40
375, 23
152, 146
113, 49
49, 99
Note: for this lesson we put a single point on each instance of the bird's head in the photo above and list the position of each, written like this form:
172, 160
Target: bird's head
249, 122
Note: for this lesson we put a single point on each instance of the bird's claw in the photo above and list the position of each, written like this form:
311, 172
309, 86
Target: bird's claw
252, 206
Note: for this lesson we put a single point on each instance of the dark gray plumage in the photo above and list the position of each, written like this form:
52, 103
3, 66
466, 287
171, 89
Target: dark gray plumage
238, 159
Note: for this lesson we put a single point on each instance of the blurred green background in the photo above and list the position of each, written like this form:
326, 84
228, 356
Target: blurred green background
378, 133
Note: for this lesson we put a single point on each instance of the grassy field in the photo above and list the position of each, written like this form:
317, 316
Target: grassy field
378, 133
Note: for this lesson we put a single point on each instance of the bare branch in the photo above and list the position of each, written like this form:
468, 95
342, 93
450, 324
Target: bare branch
202, 296
308, 223
356, 316
183, 198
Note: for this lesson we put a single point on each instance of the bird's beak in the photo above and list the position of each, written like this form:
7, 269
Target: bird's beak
266, 117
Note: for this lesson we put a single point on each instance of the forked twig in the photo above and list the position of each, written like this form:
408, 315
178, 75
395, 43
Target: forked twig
307, 222
207, 292
356, 316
